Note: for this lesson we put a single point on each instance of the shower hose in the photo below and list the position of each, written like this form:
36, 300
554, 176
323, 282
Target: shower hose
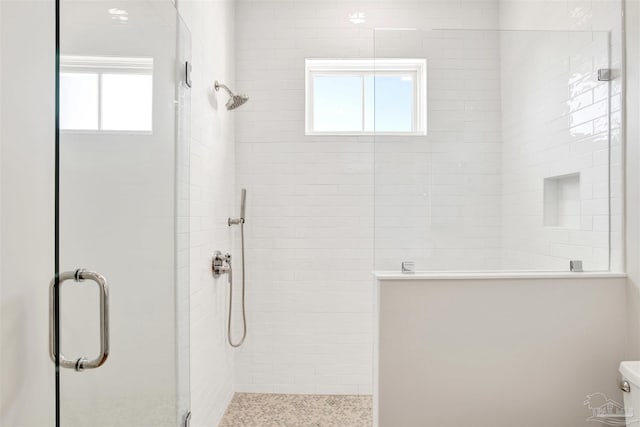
244, 313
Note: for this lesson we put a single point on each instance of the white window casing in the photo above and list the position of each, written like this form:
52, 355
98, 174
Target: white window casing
415, 68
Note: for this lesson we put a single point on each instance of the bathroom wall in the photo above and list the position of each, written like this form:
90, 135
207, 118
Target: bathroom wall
213, 199
632, 223
26, 223
498, 352
555, 122
310, 199
309, 213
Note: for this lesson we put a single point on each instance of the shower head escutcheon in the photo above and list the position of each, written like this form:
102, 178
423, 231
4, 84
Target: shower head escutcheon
234, 101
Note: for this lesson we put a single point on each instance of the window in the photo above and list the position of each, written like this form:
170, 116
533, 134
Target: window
366, 96
106, 94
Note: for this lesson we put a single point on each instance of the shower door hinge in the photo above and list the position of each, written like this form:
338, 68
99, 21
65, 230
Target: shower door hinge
604, 74
187, 419
408, 267
575, 266
187, 73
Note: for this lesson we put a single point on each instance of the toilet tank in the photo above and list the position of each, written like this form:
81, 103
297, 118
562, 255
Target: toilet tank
630, 385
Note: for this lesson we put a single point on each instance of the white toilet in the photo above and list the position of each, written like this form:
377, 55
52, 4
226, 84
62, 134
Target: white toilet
630, 385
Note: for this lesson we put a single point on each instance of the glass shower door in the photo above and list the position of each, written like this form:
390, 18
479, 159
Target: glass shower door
120, 301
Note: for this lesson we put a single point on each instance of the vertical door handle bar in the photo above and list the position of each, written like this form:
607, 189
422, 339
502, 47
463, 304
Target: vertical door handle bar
81, 363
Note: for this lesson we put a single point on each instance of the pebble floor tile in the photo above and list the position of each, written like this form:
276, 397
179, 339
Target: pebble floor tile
294, 410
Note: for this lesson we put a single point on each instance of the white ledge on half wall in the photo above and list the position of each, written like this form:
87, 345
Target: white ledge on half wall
479, 275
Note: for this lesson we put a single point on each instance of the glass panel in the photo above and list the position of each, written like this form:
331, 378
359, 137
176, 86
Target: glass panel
182, 200
369, 104
123, 205
514, 171
79, 101
337, 103
391, 102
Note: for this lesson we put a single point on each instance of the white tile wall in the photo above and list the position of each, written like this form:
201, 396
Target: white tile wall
310, 199
310, 223
555, 121
212, 200
466, 196
437, 198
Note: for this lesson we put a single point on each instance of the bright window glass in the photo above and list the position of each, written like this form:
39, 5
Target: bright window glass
337, 103
79, 101
366, 96
106, 94
393, 103
127, 102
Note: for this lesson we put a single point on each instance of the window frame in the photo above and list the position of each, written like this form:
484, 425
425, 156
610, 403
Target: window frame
100, 65
369, 67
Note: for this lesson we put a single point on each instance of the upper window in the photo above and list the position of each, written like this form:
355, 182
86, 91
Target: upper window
366, 96
106, 93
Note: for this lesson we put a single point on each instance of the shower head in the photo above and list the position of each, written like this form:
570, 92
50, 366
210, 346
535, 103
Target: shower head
234, 101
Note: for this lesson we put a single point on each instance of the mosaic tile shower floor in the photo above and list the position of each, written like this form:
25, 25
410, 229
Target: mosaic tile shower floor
293, 410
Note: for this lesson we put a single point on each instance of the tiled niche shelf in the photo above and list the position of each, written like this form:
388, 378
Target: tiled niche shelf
562, 201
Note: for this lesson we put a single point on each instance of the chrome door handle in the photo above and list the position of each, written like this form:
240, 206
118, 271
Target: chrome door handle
81, 363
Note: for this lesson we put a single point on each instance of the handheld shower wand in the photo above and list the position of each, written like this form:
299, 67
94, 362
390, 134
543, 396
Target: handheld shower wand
230, 222
243, 210
243, 203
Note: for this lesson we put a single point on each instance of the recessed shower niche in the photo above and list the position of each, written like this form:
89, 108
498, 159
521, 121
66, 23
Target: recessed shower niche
562, 201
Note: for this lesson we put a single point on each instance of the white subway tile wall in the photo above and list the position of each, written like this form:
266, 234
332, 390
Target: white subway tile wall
437, 197
310, 218
557, 119
319, 205
310, 229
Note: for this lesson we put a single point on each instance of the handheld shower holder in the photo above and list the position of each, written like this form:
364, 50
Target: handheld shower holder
235, 221
243, 210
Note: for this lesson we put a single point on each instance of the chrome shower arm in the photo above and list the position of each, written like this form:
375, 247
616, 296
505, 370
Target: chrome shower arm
219, 85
